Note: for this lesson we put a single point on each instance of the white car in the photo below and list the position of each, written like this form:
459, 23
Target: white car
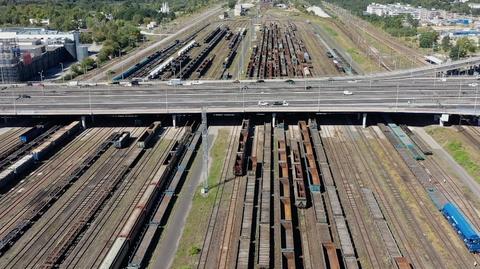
262, 103
473, 84
345, 92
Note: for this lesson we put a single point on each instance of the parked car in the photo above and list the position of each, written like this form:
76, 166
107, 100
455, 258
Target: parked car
262, 103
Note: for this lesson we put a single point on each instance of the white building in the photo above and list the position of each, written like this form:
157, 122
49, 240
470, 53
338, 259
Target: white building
165, 8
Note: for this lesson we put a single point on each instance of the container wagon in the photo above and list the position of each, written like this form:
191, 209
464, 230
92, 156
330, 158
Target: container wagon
463, 227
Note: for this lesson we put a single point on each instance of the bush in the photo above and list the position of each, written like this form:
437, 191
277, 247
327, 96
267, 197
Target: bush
194, 250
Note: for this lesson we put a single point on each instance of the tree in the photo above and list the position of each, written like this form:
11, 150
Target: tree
467, 44
446, 43
428, 39
231, 3
457, 52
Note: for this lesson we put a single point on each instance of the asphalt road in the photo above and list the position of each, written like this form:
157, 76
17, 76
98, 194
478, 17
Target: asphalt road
425, 95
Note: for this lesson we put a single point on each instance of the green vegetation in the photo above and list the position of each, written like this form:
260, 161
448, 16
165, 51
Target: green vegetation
396, 26
459, 153
109, 22
446, 46
462, 48
358, 6
428, 39
197, 221
454, 143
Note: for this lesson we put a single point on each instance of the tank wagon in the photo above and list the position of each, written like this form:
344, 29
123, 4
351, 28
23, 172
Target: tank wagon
462, 226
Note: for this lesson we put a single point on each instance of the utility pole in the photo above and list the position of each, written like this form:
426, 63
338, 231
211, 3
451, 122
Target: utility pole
205, 151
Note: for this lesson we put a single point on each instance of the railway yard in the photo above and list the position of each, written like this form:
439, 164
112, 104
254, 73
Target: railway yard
238, 49
310, 193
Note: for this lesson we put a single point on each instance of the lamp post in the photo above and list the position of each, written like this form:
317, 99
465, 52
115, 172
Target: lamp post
63, 77
476, 98
396, 100
90, 100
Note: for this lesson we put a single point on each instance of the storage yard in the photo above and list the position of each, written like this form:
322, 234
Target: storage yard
238, 49
311, 193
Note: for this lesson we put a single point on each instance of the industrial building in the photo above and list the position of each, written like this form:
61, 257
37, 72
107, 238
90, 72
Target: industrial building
28, 52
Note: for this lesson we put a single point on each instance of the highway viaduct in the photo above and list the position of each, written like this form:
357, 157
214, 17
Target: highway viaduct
420, 90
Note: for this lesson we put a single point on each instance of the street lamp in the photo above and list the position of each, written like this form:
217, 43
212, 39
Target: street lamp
396, 101
90, 100
476, 98
63, 77
318, 98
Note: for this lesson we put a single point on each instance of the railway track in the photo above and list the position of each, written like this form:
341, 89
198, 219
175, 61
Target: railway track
96, 243
433, 226
207, 256
452, 190
41, 181
10, 141
379, 173
471, 134
63, 214
343, 163
362, 26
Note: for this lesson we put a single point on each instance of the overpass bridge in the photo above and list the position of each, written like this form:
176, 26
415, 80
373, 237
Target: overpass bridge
454, 95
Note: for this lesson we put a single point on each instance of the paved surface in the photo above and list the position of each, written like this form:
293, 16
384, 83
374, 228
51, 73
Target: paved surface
420, 95
171, 236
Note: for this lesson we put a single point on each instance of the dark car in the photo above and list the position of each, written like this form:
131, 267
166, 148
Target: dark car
260, 81
290, 81
308, 87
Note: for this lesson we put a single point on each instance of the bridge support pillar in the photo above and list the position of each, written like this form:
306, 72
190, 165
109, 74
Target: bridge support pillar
274, 115
84, 122
174, 121
443, 119
364, 120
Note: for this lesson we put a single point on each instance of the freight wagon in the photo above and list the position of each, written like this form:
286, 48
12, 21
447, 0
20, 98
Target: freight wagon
462, 226
146, 138
122, 141
32, 133
239, 168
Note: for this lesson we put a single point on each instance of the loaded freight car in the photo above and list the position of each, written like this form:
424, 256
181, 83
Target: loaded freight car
15, 169
239, 168
57, 138
463, 227
32, 133
147, 137
122, 141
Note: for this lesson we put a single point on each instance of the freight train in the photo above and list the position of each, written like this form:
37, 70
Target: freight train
463, 227
239, 168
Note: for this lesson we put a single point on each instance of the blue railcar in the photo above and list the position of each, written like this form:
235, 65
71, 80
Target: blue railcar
32, 133
467, 232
